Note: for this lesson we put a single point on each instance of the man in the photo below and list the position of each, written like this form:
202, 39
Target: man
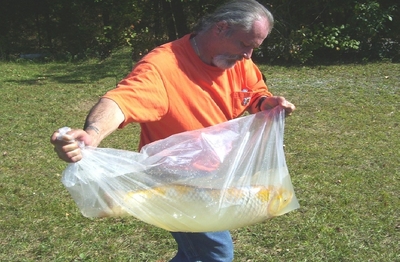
200, 80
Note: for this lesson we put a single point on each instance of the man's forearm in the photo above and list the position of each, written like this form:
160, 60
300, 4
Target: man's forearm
102, 120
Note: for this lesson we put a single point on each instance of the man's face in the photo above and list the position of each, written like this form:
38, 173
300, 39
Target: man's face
240, 44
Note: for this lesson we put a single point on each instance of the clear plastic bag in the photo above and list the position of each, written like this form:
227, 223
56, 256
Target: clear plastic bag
222, 177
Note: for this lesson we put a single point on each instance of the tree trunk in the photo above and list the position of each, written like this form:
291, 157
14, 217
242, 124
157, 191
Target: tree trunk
169, 20
180, 18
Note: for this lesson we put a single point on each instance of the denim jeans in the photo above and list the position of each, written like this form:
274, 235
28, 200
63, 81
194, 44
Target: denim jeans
203, 247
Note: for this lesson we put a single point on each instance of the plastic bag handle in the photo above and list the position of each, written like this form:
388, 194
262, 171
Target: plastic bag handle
63, 131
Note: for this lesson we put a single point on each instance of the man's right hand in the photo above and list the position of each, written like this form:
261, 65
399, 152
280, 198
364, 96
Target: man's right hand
104, 118
67, 148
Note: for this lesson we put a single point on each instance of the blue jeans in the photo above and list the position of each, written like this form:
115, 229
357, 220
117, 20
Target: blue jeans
203, 247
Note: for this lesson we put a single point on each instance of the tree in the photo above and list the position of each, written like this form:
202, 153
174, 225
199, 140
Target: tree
305, 31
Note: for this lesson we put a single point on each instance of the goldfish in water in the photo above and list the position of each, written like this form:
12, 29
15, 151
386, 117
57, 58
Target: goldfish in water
184, 208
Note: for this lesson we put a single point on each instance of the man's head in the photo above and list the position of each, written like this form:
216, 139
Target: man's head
236, 28
238, 14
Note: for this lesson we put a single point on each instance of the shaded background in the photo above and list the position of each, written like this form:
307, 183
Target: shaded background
305, 31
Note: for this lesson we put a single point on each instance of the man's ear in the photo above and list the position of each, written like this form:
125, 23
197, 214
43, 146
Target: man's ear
220, 27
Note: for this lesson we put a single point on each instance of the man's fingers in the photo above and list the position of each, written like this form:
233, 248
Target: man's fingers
68, 153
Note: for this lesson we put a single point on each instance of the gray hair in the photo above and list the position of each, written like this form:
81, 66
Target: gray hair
237, 14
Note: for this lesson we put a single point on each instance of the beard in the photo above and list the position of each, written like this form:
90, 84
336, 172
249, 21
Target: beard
225, 61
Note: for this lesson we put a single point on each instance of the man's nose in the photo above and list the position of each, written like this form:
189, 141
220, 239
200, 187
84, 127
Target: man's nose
247, 54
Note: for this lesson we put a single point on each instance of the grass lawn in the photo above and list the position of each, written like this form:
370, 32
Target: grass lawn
341, 144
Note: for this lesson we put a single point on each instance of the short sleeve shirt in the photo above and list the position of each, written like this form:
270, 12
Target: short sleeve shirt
171, 90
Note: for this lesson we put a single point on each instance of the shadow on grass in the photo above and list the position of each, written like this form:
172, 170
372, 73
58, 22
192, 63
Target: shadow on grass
117, 66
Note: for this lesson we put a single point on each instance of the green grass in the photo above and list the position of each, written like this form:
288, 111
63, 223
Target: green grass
342, 150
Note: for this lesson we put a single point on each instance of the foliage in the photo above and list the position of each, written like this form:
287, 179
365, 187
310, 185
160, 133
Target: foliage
305, 31
374, 20
333, 30
341, 148
303, 43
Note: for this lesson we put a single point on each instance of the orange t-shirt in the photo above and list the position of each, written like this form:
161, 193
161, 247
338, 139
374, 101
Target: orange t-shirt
171, 91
